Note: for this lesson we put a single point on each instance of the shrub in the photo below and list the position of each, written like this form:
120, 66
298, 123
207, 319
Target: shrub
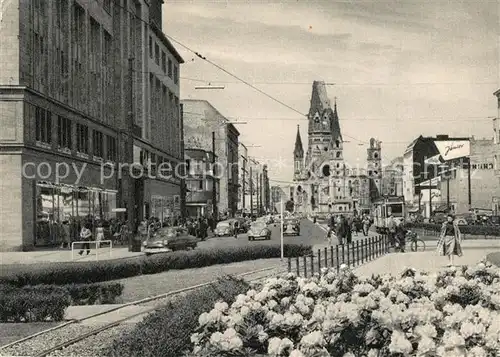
95, 272
453, 313
47, 303
40, 303
166, 333
473, 230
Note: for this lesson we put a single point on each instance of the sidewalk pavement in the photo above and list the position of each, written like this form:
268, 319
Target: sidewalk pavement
394, 263
63, 255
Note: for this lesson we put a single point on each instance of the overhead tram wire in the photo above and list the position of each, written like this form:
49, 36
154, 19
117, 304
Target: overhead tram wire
391, 119
225, 70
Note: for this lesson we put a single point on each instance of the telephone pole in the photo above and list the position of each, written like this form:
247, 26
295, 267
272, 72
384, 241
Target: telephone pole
129, 149
214, 183
257, 184
251, 192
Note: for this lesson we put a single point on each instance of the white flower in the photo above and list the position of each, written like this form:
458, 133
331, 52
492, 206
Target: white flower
203, 319
221, 306
251, 293
245, 310
296, 353
477, 351
279, 346
313, 339
285, 301
400, 344
228, 341
349, 354
343, 267
373, 353
195, 338
426, 345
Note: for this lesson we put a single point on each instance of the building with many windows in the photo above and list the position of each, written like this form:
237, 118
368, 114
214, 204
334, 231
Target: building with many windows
243, 178
74, 107
204, 127
323, 181
200, 183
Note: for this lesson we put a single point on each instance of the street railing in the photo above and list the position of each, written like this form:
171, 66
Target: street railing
353, 255
97, 244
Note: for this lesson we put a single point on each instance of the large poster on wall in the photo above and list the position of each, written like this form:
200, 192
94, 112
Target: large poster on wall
453, 149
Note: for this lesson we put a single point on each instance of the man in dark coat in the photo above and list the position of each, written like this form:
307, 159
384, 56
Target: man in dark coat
349, 227
342, 230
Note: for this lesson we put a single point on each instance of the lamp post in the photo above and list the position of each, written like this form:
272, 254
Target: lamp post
446, 171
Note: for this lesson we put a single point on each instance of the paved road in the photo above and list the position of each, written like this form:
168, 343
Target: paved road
310, 233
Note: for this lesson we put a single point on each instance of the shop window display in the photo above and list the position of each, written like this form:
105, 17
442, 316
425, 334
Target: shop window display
61, 210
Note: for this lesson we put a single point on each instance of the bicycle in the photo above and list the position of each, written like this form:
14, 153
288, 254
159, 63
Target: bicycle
416, 244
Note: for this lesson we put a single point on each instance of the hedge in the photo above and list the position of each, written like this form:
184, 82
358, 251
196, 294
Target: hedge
473, 230
49, 302
95, 272
167, 332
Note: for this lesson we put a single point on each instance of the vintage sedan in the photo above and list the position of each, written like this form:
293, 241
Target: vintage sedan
169, 239
291, 227
259, 230
225, 228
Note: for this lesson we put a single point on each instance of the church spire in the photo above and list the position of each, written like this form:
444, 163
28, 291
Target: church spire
298, 152
335, 124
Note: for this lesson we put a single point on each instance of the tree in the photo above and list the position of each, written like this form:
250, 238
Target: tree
289, 205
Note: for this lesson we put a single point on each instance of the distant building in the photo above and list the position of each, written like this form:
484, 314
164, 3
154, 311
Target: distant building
484, 188
323, 181
392, 178
199, 182
243, 177
201, 119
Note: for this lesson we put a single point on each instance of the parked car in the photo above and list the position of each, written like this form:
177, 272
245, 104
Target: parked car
259, 230
225, 228
169, 239
291, 227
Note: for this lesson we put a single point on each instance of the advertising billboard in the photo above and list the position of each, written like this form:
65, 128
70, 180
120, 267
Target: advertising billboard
453, 149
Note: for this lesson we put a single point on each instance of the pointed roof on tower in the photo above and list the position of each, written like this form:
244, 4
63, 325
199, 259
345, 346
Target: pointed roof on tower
335, 123
319, 98
299, 150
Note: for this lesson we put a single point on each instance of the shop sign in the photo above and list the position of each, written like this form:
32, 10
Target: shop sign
453, 149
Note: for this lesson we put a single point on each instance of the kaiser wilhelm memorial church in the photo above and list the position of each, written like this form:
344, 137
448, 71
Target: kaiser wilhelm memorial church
323, 181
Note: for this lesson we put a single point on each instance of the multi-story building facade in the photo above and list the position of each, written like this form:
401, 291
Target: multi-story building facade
324, 182
423, 161
484, 190
201, 119
252, 198
265, 190
200, 183
65, 96
392, 178
243, 178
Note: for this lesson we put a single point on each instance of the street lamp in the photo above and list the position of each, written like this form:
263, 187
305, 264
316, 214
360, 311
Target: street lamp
209, 87
446, 168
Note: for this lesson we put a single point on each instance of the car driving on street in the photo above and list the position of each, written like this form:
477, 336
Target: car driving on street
225, 229
169, 239
291, 227
259, 230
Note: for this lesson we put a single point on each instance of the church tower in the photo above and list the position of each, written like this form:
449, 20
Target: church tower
298, 156
374, 167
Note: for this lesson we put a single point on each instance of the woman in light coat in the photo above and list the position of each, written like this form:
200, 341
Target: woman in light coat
450, 240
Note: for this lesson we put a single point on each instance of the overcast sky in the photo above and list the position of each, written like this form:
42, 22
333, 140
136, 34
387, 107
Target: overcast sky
400, 68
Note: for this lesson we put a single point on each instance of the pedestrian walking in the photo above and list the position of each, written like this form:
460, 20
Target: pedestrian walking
391, 227
341, 230
349, 229
85, 235
99, 235
236, 227
65, 234
366, 225
450, 240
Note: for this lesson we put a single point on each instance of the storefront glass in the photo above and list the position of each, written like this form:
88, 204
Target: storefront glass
61, 210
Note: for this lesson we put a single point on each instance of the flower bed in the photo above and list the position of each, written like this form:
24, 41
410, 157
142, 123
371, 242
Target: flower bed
453, 313
95, 272
471, 230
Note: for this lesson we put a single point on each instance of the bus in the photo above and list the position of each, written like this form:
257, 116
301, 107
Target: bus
385, 207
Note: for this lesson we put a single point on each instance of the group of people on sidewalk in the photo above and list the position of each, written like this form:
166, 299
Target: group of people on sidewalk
343, 227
